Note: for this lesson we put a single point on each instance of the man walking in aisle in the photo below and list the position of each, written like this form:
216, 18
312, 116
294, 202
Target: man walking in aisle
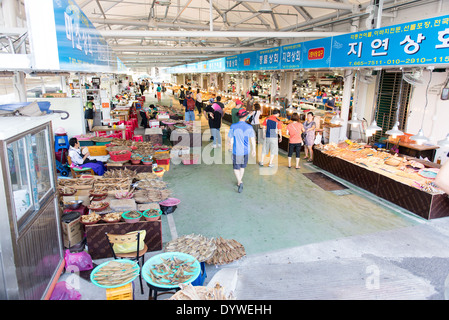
240, 134
273, 128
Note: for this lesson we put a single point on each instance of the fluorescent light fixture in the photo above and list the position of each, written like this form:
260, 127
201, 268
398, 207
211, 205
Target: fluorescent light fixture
373, 127
265, 8
394, 132
444, 143
354, 121
420, 138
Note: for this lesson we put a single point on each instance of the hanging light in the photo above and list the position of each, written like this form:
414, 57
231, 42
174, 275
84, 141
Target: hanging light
394, 132
419, 138
354, 121
444, 143
373, 127
290, 109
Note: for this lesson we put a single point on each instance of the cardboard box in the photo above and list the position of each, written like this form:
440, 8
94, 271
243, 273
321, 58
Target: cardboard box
72, 232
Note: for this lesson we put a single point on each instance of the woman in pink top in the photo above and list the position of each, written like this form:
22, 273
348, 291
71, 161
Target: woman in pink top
294, 130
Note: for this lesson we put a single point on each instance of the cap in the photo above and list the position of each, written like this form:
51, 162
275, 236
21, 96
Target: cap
211, 100
237, 102
242, 113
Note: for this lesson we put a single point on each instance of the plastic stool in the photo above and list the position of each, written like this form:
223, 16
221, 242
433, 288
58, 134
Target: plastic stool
138, 138
135, 122
129, 134
61, 142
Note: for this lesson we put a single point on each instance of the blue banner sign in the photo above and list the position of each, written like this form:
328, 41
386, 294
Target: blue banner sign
268, 59
412, 43
424, 42
80, 46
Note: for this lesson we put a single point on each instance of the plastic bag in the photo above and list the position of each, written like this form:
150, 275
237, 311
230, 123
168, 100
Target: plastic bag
63, 291
318, 139
131, 247
79, 261
167, 209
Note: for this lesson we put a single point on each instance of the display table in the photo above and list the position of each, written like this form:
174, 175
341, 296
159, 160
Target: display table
106, 128
134, 167
415, 150
424, 204
97, 242
153, 135
185, 138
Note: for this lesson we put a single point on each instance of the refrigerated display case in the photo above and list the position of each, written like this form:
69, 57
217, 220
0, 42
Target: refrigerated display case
31, 250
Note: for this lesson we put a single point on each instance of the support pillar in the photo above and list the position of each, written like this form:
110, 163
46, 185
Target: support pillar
347, 87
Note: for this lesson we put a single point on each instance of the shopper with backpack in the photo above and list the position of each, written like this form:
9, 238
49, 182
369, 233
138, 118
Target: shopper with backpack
182, 95
189, 104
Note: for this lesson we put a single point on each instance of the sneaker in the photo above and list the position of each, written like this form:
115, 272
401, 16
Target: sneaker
214, 146
271, 165
241, 187
261, 164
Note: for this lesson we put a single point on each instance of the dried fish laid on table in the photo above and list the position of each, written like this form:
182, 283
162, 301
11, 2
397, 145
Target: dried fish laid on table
115, 273
200, 247
147, 176
151, 195
227, 251
151, 184
189, 292
120, 174
172, 271
80, 183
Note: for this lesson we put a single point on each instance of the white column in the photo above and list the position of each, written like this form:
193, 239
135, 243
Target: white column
273, 86
347, 87
19, 86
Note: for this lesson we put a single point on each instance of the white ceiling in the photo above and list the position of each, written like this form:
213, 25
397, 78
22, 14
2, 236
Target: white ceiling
146, 33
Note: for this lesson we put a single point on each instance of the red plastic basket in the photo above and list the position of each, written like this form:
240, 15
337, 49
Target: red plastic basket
163, 161
120, 156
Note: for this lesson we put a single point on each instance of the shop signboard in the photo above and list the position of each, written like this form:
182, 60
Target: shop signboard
232, 63
291, 56
408, 44
268, 59
216, 65
80, 46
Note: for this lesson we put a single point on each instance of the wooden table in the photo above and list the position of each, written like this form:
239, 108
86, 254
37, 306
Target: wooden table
106, 128
415, 150
98, 246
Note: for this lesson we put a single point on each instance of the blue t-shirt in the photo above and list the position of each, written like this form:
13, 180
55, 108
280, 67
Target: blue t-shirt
241, 132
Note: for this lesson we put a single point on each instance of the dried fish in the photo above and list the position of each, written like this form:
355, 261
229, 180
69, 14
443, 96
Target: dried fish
198, 246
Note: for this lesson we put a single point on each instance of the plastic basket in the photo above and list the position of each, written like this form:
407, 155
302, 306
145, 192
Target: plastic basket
117, 156
200, 280
121, 293
163, 162
97, 151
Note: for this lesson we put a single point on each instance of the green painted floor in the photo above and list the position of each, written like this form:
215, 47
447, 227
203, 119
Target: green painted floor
278, 208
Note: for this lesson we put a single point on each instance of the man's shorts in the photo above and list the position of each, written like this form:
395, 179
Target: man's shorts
270, 145
239, 162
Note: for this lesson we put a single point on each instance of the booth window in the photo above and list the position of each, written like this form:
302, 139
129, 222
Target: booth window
386, 103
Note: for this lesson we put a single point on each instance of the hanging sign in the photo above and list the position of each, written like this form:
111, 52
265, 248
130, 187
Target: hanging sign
268, 59
80, 46
413, 43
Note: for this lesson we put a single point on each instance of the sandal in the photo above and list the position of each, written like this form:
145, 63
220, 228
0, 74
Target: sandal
309, 160
298, 168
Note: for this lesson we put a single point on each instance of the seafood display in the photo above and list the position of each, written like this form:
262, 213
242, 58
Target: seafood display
115, 273
172, 270
189, 292
151, 195
120, 174
98, 205
197, 246
78, 184
227, 251
90, 218
112, 217
402, 168
67, 191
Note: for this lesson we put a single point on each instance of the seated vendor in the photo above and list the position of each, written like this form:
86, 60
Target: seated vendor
153, 111
83, 161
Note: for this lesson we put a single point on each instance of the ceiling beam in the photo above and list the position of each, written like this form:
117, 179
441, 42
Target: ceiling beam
213, 34
183, 49
309, 3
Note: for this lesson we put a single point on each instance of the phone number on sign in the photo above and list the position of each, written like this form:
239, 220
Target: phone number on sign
399, 61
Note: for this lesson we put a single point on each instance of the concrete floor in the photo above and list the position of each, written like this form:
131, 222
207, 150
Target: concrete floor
302, 242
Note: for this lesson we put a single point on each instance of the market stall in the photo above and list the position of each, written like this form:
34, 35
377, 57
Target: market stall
402, 180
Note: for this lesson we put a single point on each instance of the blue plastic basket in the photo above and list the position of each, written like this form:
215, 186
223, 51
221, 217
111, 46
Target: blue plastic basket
200, 280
